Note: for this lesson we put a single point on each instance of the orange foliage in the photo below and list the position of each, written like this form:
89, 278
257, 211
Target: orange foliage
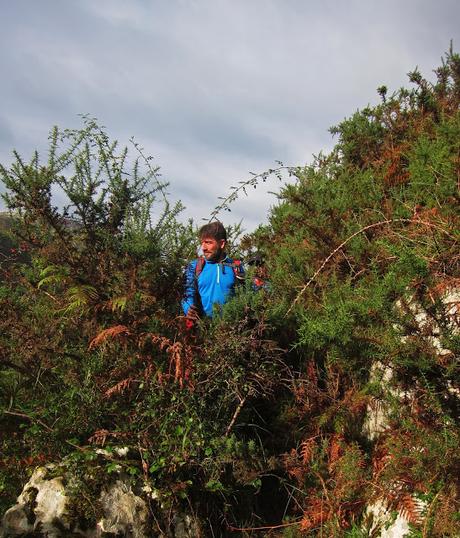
409, 508
293, 466
119, 388
180, 356
396, 173
335, 450
111, 333
316, 514
307, 450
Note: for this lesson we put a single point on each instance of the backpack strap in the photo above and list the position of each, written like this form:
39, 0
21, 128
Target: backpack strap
200, 262
237, 269
236, 266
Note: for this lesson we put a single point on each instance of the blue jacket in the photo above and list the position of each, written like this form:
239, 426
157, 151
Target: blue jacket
214, 285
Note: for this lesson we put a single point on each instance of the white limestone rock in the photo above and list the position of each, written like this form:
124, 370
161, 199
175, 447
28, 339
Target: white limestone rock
125, 513
376, 420
383, 521
43, 509
39, 507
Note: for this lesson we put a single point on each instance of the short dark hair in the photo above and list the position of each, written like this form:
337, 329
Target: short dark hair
214, 230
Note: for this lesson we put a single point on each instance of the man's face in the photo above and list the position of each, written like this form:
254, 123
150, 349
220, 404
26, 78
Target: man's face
212, 248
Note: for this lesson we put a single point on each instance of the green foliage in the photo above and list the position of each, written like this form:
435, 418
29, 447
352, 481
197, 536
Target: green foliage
363, 257
93, 350
361, 314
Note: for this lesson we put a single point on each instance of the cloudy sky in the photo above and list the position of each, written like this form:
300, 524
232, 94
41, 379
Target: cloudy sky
213, 89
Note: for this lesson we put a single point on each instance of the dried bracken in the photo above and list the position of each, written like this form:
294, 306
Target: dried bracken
119, 333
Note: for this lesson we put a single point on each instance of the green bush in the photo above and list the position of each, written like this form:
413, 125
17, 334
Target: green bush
257, 418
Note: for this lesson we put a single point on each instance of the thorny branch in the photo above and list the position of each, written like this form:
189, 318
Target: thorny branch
251, 182
339, 248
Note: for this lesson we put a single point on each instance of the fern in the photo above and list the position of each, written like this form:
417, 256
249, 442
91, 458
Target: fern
118, 303
116, 332
79, 298
52, 275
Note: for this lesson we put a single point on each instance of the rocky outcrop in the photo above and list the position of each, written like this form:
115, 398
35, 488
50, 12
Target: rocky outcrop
40, 506
46, 507
384, 521
125, 514
376, 420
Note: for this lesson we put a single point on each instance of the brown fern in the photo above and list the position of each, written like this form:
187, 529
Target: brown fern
119, 388
441, 288
161, 341
409, 508
312, 373
148, 372
335, 450
119, 331
307, 450
175, 356
315, 515
294, 468
180, 357
99, 437
356, 402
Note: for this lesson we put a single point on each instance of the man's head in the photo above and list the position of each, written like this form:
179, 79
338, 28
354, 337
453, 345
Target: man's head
213, 239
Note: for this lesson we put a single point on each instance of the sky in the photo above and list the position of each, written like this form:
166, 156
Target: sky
212, 89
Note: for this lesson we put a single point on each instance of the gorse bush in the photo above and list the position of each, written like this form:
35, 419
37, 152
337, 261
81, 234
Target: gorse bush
96, 263
261, 419
364, 254
93, 349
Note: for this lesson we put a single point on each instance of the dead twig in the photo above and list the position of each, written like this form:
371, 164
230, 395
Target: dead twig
32, 419
352, 236
235, 415
331, 255
249, 529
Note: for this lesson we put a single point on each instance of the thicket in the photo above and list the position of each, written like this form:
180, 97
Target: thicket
258, 419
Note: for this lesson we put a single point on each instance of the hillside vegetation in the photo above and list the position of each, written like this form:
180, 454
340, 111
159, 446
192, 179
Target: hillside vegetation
6, 240
259, 422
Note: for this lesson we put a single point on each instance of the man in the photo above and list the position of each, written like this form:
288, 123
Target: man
211, 279
259, 281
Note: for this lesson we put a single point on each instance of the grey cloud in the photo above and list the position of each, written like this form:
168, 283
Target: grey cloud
212, 88
6, 133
